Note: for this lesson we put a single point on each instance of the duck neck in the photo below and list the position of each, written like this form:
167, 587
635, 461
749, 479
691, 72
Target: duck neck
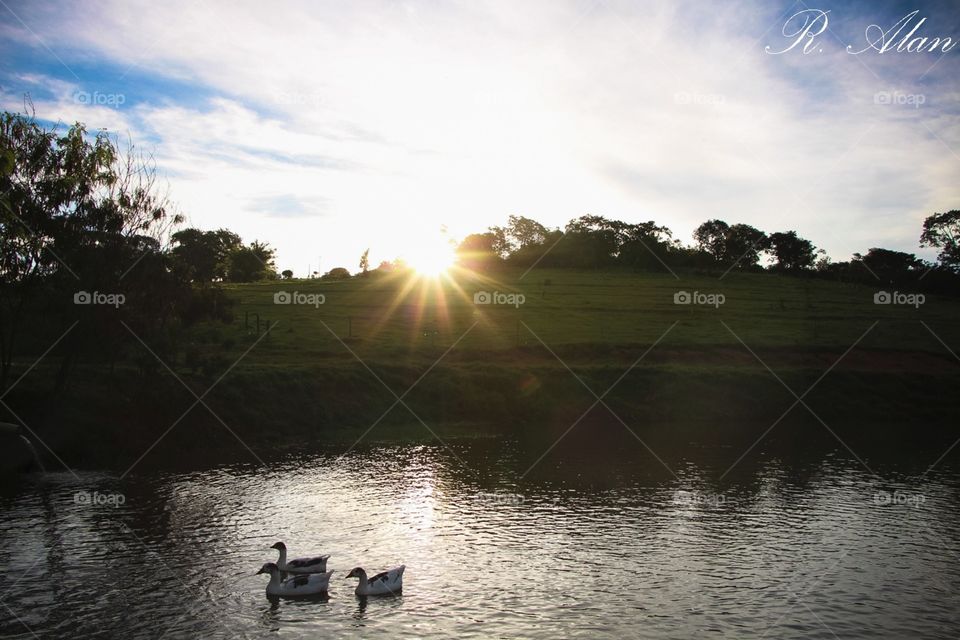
363, 582
282, 562
274, 578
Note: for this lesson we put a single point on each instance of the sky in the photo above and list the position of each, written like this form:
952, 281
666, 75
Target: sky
325, 128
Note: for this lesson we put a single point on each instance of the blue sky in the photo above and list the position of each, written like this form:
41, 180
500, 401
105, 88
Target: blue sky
327, 128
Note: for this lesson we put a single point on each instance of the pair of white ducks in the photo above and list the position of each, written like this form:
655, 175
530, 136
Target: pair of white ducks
310, 577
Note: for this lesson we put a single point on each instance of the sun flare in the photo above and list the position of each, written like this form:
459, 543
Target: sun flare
431, 258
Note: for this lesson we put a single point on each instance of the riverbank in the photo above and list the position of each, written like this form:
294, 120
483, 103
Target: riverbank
110, 421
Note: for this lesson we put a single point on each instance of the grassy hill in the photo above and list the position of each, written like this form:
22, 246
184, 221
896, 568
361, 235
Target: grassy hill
384, 317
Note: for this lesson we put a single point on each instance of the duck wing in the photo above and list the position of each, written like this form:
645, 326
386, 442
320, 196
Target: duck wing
308, 583
306, 563
299, 581
380, 577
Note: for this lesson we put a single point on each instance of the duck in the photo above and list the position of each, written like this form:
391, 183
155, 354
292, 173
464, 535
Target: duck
316, 564
389, 582
302, 585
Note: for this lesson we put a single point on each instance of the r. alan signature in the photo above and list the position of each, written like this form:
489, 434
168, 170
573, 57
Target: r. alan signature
805, 26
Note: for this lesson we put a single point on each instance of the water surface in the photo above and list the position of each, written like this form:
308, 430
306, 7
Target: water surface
808, 544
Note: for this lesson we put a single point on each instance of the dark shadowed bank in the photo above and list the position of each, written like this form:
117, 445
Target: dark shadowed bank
109, 420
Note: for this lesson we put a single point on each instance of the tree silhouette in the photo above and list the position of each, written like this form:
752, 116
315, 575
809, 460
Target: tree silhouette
942, 230
791, 252
365, 262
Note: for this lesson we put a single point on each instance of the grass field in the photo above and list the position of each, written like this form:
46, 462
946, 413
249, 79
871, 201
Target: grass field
566, 309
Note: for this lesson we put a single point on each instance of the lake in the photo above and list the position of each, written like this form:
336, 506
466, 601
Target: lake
794, 542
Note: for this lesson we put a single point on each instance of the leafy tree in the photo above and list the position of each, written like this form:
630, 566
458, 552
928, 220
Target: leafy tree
711, 237
78, 214
744, 244
591, 241
337, 273
477, 251
890, 266
365, 262
942, 230
738, 244
287, 274
500, 244
519, 233
791, 252
646, 245
204, 256
582, 249
252, 263
535, 253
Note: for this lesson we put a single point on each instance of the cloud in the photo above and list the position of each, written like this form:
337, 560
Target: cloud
289, 206
327, 128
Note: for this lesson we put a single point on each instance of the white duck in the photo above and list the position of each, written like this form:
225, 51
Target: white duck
303, 585
316, 564
387, 583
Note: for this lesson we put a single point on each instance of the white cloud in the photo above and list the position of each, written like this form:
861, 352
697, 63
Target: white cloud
401, 117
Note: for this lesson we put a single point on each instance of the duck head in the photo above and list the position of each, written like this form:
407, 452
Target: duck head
270, 568
279, 546
356, 573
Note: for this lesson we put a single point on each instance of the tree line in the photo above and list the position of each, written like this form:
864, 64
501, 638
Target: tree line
596, 242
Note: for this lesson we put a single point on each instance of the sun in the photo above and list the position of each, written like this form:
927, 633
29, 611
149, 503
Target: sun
431, 258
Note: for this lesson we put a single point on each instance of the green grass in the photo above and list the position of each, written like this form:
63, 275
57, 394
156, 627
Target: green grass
381, 319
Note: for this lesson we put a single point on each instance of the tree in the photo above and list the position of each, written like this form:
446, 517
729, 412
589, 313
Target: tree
203, 256
711, 237
252, 263
942, 230
287, 274
519, 233
500, 244
744, 244
337, 273
791, 252
365, 262
591, 241
739, 244
890, 266
79, 214
646, 246
477, 251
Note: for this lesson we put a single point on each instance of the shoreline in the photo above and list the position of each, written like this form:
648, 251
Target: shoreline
107, 421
